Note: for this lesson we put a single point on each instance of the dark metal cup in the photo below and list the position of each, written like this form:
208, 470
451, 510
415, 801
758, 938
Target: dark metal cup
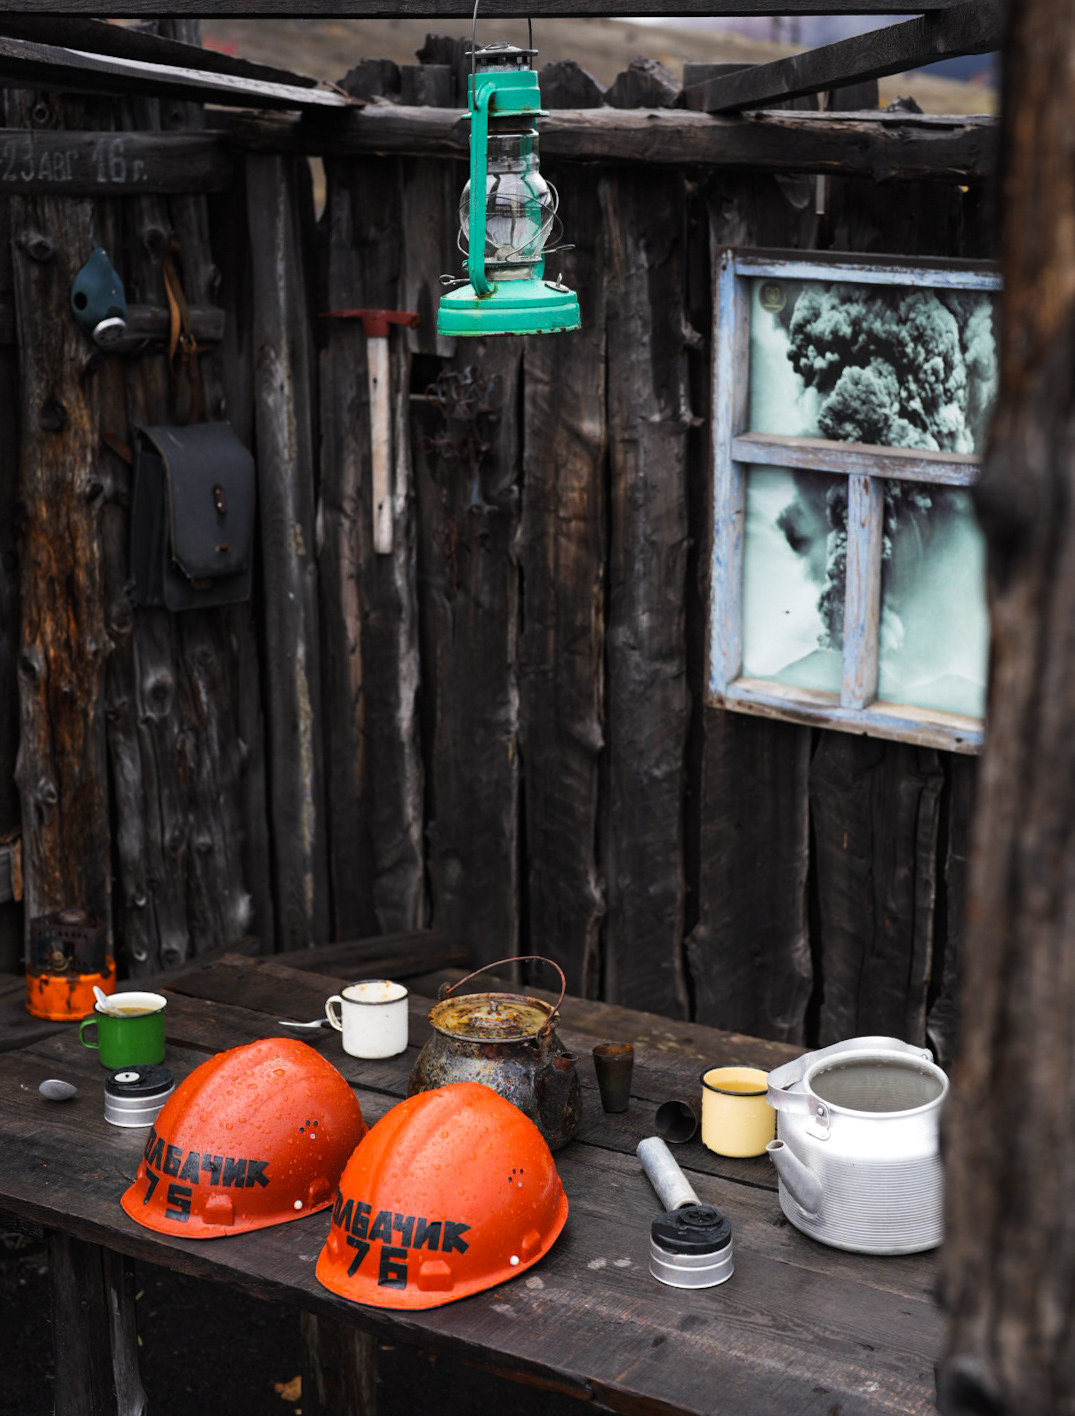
613, 1062
677, 1121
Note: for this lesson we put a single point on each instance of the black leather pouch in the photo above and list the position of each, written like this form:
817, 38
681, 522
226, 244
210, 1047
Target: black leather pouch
192, 517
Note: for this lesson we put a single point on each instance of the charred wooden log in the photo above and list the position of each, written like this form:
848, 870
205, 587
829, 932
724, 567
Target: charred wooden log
649, 418
374, 778
61, 769
562, 550
284, 399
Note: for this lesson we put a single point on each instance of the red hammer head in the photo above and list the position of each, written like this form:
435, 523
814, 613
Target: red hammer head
375, 322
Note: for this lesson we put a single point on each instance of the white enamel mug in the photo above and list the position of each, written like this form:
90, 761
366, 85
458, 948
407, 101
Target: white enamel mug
372, 1017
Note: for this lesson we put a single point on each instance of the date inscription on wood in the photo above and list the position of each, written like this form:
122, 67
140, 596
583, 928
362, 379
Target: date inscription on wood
87, 164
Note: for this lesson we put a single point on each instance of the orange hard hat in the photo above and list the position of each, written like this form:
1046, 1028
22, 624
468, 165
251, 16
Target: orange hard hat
451, 1192
255, 1136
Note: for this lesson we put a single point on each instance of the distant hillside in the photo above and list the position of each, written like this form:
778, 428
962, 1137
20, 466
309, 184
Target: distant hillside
326, 49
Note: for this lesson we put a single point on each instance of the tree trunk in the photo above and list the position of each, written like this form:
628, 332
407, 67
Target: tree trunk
1009, 1261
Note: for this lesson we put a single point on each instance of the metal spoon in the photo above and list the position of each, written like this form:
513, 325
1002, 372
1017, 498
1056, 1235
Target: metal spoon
288, 1023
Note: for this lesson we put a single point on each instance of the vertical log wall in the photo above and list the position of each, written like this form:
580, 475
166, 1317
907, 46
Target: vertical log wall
498, 727
581, 801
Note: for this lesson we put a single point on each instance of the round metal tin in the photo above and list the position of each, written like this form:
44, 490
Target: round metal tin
691, 1247
690, 1270
135, 1095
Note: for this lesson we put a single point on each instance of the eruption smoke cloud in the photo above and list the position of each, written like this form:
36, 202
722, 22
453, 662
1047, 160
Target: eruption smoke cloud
896, 368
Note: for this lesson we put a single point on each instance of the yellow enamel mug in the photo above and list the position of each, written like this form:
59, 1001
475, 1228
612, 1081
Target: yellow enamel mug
736, 1118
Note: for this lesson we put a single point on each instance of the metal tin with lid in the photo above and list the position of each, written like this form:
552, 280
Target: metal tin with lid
506, 1041
135, 1095
691, 1247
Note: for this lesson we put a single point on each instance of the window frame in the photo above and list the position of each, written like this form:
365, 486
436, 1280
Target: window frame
735, 450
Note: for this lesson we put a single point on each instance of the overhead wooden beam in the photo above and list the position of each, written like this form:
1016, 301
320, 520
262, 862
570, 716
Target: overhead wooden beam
973, 27
28, 64
100, 37
881, 146
503, 9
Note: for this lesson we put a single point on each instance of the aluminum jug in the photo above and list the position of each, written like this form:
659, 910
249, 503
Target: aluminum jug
857, 1151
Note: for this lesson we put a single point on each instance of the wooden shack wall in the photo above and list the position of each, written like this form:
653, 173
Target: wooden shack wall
581, 800
499, 728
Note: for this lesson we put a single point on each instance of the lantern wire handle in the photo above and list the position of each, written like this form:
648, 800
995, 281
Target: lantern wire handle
474, 42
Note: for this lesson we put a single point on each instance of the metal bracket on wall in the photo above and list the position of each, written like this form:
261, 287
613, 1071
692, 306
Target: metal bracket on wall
11, 871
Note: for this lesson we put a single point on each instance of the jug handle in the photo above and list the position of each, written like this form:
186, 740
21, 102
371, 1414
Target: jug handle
447, 988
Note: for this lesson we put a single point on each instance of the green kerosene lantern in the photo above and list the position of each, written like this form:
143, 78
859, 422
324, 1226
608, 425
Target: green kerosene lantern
508, 199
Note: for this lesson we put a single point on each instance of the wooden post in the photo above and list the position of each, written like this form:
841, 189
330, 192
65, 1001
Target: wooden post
11, 942
61, 769
94, 1334
649, 419
369, 610
562, 549
467, 473
1009, 1256
284, 400
339, 1368
749, 953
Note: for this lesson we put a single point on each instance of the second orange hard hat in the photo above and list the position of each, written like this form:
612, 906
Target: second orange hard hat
452, 1191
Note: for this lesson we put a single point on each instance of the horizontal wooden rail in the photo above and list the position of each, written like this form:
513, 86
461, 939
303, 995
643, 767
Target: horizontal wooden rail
973, 27
75, 164
463, 9
100, 37
31, 64
881, 146
899, 722
950, 469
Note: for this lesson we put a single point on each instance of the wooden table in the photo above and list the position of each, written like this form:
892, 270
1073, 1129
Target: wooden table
800, 1328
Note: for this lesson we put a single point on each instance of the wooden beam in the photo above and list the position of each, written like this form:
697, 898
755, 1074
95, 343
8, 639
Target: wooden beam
536, 9
25, 63
881, 146
973, 27
74, 164
100, 37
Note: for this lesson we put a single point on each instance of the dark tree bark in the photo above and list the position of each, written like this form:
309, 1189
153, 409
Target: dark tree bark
1009, 1261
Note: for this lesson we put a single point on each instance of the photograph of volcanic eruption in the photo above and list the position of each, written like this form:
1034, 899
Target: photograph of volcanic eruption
892, 366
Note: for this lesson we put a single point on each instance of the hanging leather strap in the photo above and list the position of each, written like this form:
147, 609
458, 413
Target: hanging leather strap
183, 348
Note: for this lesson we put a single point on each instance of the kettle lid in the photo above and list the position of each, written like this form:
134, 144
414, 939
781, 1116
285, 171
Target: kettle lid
491, 1017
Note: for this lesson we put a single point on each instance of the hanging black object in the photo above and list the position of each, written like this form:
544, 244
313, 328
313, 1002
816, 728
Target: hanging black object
192, 517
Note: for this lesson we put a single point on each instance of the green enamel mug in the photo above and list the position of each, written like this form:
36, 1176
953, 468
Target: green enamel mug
129, 1032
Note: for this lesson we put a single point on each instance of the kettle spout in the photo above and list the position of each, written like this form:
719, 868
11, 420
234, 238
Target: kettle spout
552, 1087
798, 1179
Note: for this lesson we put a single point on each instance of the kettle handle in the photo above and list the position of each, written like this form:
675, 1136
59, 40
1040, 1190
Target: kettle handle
791, 1072
447, 988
